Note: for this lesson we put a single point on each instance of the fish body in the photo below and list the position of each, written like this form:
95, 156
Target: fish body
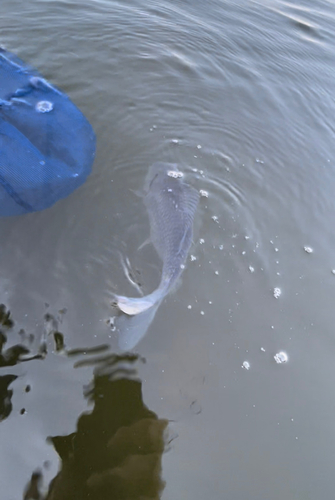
171, 205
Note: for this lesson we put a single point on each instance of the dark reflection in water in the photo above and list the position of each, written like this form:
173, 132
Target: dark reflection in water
18, 352
10, 357
33, 489
6, 395
116, 451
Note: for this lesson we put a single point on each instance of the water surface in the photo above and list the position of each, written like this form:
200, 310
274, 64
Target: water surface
241, 96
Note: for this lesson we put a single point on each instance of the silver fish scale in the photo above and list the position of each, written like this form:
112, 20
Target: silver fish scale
171, 205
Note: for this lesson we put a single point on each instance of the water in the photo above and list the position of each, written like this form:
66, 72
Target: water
242, 95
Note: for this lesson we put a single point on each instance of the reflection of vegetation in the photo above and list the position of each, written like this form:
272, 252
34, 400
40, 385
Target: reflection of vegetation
5, 395
117, 448
33, 490
9, 357
116, 451
18, 352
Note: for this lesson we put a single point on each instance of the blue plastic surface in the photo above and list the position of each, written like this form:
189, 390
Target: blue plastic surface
47, 146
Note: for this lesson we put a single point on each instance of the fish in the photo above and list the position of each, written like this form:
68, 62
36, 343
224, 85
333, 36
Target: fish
171, 204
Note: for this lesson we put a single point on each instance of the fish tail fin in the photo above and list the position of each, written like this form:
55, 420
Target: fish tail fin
136, 305
132, 305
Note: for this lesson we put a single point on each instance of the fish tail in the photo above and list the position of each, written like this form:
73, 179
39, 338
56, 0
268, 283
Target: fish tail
136, 305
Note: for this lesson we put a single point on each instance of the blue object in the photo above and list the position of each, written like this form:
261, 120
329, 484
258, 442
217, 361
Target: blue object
47, 146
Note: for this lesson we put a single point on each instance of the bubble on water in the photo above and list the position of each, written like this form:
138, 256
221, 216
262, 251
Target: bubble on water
199, 146
281, 357
111, 323
182, 266
333, 271
201, 241
247, 237
276, 292
175, 141
210, 302
217, 273
193, 258
244, 252
215, 219
308, 249
246, 365
175, 174
262, 349
221, 247
189, 306
202, 313
44, 106
276, 249
203, 193
251, 269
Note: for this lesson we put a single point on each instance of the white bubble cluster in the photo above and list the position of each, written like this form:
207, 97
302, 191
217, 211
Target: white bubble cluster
281, 357
175, 174
276, 292
44, 106
111, 322
246, 365
203, 193
308, 249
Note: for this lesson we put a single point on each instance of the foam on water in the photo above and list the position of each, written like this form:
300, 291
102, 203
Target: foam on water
281, 357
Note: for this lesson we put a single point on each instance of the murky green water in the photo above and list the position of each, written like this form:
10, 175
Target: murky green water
240, 95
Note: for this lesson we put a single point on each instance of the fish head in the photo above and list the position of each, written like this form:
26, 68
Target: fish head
157, 174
